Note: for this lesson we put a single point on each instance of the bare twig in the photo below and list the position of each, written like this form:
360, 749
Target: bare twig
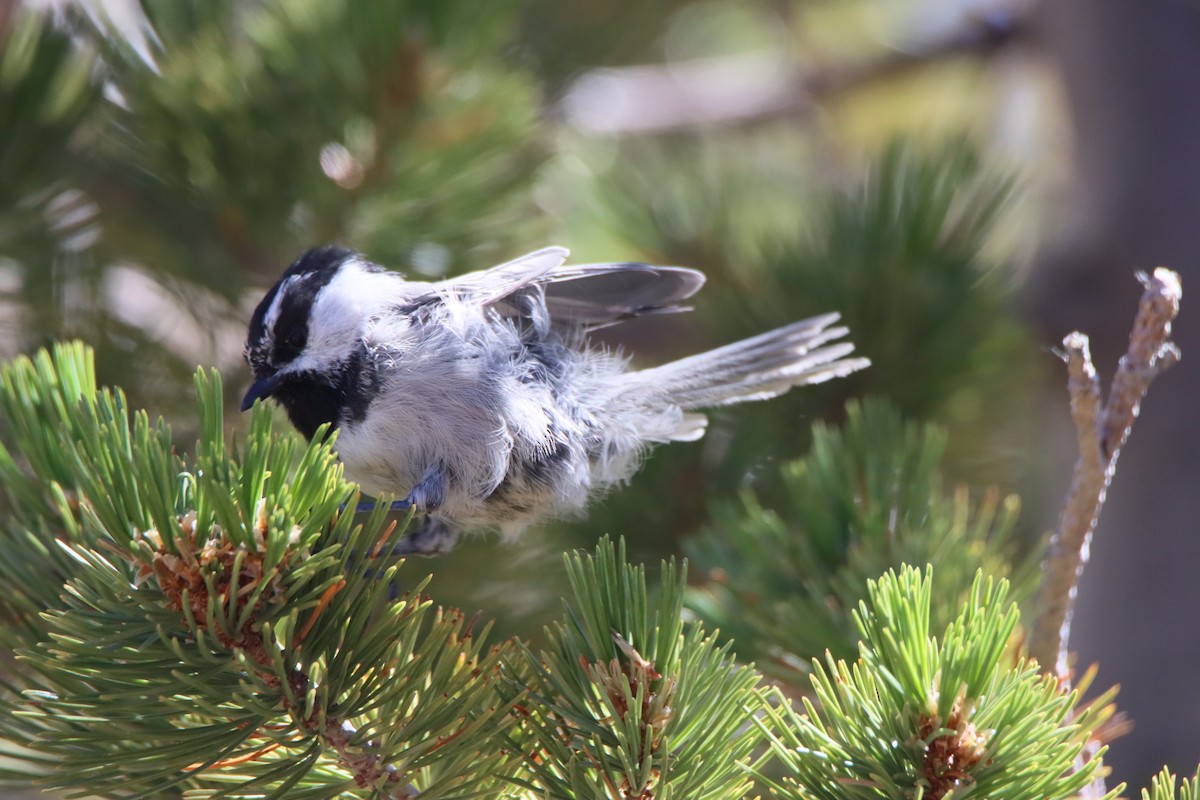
745, 90
1101, 430
1150, 352
1068, 549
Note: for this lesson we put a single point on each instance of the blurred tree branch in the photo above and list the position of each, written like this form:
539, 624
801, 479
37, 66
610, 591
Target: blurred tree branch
751, 89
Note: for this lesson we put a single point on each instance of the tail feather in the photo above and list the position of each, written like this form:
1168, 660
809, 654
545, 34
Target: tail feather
760, 367
727, 368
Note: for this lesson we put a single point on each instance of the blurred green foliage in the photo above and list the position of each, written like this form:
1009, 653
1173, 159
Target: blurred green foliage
269, 126
782, 581
46, 92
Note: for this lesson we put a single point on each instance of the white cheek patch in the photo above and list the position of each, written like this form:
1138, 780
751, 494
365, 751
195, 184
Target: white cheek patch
342, 305
341, 312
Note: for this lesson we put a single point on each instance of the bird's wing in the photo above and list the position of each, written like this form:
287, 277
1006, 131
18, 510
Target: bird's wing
595, 295
490, 285
585, 295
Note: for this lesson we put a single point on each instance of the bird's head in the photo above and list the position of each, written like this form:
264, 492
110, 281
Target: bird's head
310, 323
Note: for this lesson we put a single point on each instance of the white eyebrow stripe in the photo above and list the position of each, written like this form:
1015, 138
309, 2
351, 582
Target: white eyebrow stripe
272, 315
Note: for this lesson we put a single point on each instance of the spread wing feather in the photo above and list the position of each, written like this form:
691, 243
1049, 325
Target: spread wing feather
585, 295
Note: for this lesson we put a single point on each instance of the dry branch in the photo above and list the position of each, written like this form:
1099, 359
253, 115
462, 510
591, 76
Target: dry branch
1101, 429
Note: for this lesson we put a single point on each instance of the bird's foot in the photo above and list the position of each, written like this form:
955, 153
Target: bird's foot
430, 537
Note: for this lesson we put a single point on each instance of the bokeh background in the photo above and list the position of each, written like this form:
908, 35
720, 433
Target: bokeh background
965, 181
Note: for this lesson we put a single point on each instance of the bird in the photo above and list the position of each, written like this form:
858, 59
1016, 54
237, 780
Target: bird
482, 400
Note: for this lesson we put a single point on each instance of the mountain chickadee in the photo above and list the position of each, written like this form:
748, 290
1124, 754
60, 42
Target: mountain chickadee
479, 398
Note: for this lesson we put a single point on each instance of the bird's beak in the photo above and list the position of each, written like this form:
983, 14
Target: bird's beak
261, 389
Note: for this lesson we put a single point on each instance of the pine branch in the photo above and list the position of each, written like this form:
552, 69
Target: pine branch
934, 716
627, 704
208, 625
211, 624
1101, 429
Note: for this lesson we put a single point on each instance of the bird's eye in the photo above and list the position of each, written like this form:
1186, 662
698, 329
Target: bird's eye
289, 343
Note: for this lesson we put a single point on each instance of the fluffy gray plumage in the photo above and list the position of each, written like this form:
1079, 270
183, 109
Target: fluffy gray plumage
480, 400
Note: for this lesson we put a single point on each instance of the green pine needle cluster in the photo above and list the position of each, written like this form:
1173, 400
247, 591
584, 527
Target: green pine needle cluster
1163, 787
626, 703
217, 625
783, 581
922, 716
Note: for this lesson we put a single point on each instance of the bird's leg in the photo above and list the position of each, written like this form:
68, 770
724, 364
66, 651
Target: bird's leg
431, 536
396, 505
430, 492
427, 495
